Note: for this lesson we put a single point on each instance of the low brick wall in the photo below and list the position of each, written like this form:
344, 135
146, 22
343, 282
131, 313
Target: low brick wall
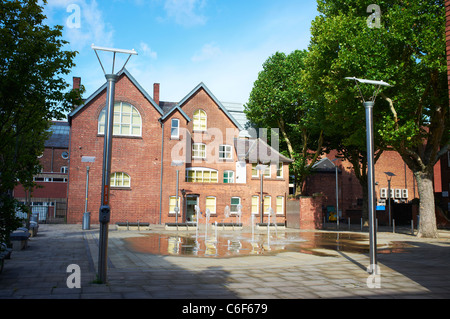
305, 213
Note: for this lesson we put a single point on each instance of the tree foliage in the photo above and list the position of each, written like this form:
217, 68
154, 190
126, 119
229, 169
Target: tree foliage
279, 100
407, 50
32, 93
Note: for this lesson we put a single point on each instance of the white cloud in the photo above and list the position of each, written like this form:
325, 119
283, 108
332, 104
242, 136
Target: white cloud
83, 22
186, 12
147, 51
208, 52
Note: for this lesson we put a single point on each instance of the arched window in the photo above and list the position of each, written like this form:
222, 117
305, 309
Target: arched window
127, 120
120, 179
200, 120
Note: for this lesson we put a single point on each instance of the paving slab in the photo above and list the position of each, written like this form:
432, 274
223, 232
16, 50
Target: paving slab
419, 269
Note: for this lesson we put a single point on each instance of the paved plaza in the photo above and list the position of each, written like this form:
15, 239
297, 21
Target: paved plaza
409, 268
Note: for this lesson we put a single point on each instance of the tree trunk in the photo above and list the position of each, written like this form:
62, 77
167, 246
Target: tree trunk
427, 223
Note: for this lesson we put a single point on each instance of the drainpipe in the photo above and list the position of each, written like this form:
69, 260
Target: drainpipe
162, 168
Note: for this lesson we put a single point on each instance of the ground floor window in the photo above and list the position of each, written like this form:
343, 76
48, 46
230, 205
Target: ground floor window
172, 204
255, 204
280, 205
267, 204
235, 202
120, 179
211, 204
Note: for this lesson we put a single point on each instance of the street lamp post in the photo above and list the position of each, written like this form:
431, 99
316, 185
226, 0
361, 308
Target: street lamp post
337, 194
177, 209
261, 168
105, 210
389, 175
368, 105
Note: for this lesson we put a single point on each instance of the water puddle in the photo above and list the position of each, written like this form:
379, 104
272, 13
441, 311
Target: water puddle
242, 244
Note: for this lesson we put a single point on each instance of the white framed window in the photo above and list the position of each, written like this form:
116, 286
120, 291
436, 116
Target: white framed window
200, 120
228, 177
280, 170
198, 150
65, 155
235, 201
255, 205
201, 175
267, 204
64, 169
280, 205
120, 179
127, 120
225, 152
267, 171
255, 172
175, 129
211, 204
172, 204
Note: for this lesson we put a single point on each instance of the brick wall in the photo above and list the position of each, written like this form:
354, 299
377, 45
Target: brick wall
139, 157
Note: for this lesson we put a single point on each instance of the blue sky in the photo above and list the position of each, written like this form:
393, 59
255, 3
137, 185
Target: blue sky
180, 43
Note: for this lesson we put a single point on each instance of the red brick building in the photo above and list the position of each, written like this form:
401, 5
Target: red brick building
218, 165
49, 198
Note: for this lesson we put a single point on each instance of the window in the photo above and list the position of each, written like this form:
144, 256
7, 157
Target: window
198, 150
199, 120
267, 172
65, 155
255, 172
228, 177
64, 169
127, 120
172, 204
267, 204
201, 175
120, 179
280, 205
225, 152
235, 201
175, 129
211, 204
255, 204
280, 170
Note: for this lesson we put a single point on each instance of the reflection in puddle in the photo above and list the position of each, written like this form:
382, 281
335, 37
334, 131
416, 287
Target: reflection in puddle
240, 244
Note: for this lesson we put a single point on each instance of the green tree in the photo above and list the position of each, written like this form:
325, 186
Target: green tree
407, 50
279, 100
32, 93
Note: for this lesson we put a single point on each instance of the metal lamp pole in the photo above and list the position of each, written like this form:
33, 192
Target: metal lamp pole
390, 175
337, 194
368, 105
177, 209
261, 168
105, 210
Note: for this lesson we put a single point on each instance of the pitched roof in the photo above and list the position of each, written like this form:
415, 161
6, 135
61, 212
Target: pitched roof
257, 150
104, 86
60, 135
219, 104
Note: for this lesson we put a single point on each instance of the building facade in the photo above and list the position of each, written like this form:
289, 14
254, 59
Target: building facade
154, 141
49, 198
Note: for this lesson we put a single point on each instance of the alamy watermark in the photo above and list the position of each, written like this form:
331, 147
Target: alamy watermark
74, 19
74, 279
205, 146
374, 279
374, 20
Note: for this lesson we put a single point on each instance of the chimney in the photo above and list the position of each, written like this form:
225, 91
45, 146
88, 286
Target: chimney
156, 93
76, 83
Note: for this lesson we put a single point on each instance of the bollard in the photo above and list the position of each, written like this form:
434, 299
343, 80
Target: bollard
393, 226
361, 224
412, 227
349, 223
